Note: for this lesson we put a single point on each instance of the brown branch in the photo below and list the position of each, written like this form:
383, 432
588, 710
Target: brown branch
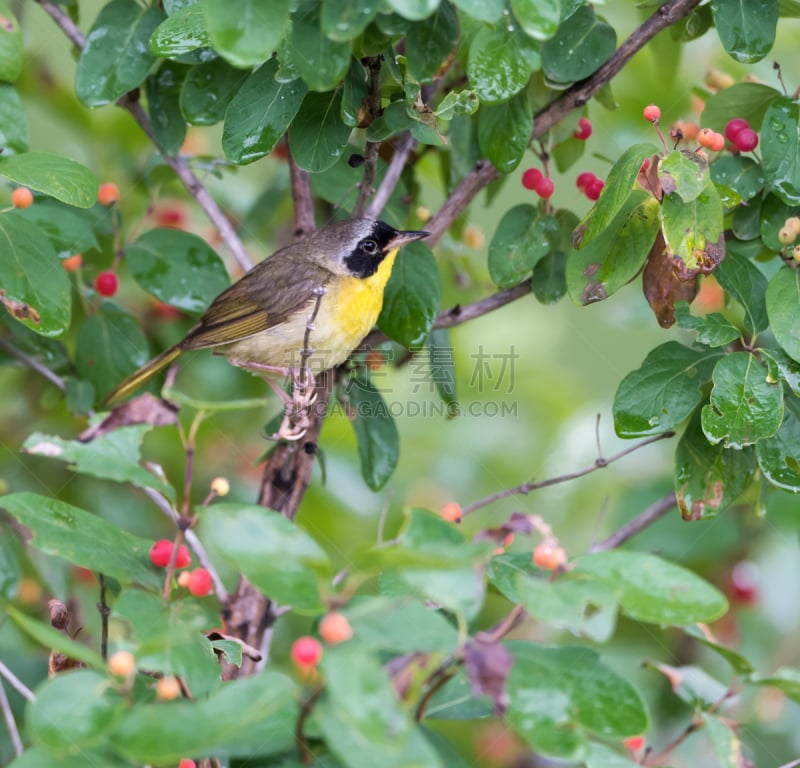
574, 97
527, 487
33, 364
181, 168
302, 198
306, 756
105, 612
404, 147
371, 154
644, 519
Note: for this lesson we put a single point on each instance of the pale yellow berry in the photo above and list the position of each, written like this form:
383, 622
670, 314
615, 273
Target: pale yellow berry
422, 213
221, 486
168, 688
122, 663
796, 253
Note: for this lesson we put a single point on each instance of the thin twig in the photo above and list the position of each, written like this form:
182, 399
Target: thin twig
33, 364
11, 723
791, 764
191, 539
302, 198
182, 170
371, 153
654, 512
527, 487
402, 149
307, 350
440, 676
105, 612
16, 683
503, 627
306, 756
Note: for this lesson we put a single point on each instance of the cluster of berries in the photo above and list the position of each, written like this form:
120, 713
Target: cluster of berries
198, 581
537, 182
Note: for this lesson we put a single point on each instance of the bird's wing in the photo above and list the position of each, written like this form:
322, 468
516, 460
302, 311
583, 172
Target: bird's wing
265, 297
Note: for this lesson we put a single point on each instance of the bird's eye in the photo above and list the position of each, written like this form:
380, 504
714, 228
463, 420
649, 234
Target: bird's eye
369, 246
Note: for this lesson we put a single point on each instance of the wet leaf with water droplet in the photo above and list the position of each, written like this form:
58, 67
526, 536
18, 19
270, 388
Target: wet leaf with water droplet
779, 455
780, 148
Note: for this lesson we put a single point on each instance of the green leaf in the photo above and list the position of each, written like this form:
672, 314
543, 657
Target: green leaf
617, 255
83, 539
39, 757
550, 277
179, 268
115, 58
785, 679
747, 100
739, 663
774, 213
713, 329
208, 90
274, 554
684, 173
744, 407
181, 32
664, 391
246, 32
412, 296
35, 287
783, 301
63, 179
53, 639
13, 121
74, 710
780, 149
12, 49
110, 346
321, 62
164, 104
344, 20
376, 433
618, 189
429, 43
70, 230
742, 174
254, 715
113, 455
582, 43
692, 685
500, 63
781, 367
520, 241
601, 756
746, 29
662, 592
356, 89
381, 733
318, 135
779, 456
456, 701
442, 368
504, 131
382, 624
747, 284
692, 230
726, 744
538, 18
558, 694
259, 114
413, 9
709, 478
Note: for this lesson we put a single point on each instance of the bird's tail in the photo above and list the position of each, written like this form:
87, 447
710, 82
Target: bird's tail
146, 372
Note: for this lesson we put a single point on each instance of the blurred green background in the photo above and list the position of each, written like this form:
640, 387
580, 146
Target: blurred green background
550, 372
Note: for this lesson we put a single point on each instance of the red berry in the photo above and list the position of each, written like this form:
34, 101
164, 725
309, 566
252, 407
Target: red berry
106, 283
187, 763
584, 178
584, 129
200, 583
634, 743
108, 193
184, 558
652, 113
645, 165
531, 178
306, 652
22, 197
734, 126
594, 188
545, 187
160, 553
746, 140
744, 580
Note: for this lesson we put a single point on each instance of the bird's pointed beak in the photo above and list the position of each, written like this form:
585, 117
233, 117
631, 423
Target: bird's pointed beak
404, 238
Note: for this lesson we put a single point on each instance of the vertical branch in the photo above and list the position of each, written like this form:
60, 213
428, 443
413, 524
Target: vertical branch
371, 154
402, 150
105, 612
302, 198
11, 724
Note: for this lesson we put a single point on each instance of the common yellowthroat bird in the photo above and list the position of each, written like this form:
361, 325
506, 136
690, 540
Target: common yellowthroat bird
328, 285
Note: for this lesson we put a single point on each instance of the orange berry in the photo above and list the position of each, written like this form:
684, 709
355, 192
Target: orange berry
473, 236
22, 197
452, 512
688, 129
549, 557
717, 142
335, 628
122, 664
183, 578
706, 137
108, 193
71, 263
168, 688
